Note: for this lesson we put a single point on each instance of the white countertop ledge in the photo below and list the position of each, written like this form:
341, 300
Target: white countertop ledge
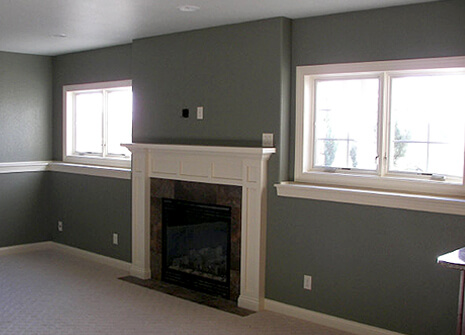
417, 202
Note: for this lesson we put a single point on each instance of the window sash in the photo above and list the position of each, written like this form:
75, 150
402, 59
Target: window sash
383, 177
427, 139
311, 126
70, 153
74, 96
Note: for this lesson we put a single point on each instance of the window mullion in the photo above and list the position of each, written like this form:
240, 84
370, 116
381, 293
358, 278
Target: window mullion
384, 129
73, 116
428, 146
310, 119
105, 124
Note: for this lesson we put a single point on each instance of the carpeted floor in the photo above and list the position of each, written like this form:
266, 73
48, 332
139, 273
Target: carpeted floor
49, 292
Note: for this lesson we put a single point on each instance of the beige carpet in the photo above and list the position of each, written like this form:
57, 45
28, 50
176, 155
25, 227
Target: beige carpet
49, 292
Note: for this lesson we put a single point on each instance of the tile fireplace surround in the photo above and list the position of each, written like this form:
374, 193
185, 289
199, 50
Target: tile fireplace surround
239, 166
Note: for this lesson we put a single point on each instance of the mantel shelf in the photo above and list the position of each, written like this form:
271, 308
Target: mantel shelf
200, 148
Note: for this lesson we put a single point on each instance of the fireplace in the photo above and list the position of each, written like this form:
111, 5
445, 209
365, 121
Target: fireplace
240, 167
180, 209
196, 246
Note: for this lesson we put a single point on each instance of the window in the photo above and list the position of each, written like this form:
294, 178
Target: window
97, 119
395, 125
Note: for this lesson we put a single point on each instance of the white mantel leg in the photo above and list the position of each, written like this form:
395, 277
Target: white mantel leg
253, 236
140, 216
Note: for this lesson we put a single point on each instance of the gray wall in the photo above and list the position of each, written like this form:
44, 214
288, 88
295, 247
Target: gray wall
233, 71
238, 73
25, 107
24, 208
369, 264
25, 135
91, 208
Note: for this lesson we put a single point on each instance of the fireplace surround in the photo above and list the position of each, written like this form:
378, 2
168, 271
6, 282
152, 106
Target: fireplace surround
239, 166
226, 196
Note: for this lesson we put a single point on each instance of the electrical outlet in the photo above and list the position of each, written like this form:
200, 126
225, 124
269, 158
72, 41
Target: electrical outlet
308, 282
60, 226
267, 140
115, 238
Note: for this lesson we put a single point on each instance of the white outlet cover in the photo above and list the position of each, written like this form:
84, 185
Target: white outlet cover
115, 238
267, 140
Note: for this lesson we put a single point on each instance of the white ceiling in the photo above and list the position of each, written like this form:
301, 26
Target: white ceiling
34, 26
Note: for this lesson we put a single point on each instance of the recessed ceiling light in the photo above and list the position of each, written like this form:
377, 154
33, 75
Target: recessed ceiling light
60, 35
188, 8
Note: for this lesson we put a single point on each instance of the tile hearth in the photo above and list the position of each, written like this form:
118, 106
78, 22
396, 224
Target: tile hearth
222, 304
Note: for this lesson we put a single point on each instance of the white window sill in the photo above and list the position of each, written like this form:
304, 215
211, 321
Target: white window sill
91, 170
418, 202
92, 160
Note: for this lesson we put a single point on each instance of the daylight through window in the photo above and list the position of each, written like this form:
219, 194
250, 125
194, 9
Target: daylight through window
98, 118
396, 125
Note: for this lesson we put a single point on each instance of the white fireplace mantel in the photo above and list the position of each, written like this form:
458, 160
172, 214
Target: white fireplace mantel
240, 166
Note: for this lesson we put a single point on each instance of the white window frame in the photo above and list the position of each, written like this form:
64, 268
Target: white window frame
357, 179
68, 126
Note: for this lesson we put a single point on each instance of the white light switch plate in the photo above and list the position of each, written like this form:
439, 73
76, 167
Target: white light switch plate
200, 113
308, 282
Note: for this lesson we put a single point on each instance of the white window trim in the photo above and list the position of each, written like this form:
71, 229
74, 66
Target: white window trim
91, 170
124, 162
410, 201
389, 191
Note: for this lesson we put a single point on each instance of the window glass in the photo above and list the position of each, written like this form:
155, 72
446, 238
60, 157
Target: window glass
119, 121
427, 124
88, 123
346, 123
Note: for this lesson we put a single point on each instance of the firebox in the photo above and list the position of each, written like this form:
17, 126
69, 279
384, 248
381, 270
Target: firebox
196, 246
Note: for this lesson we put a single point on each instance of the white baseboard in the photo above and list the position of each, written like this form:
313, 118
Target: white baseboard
17, 249
91, 256
31, 247
250, 303
325, 320
139, 272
